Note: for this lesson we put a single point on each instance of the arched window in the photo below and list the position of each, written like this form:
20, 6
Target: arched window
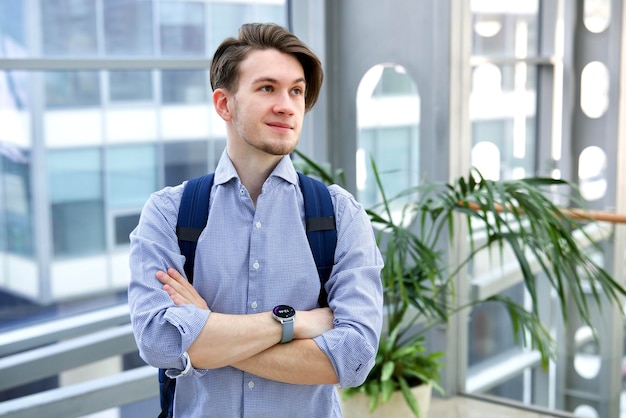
388, 116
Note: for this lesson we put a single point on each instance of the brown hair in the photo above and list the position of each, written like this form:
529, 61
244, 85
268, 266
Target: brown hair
260, 36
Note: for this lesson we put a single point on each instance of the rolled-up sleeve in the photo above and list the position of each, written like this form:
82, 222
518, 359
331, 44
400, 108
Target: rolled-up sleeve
355, 294
163, 331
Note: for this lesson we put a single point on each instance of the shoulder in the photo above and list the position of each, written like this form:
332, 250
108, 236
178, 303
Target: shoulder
165, 201
346, 205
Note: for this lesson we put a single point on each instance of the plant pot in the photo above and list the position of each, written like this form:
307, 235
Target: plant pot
396, 407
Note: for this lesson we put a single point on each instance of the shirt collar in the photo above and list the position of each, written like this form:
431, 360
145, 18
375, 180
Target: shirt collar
225, 170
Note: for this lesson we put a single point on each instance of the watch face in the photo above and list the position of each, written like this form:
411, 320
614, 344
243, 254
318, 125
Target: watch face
284, 311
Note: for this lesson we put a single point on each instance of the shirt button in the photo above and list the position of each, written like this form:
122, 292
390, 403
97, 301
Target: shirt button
258, 225
254, 305
256, 265
251, 385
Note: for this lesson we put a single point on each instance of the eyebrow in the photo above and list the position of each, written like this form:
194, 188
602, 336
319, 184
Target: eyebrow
273, 80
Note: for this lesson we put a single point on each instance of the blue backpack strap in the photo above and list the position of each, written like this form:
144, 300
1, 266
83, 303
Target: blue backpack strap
166, 394
321, 229
192, 217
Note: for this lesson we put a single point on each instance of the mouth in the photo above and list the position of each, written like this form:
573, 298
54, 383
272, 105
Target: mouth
279, 125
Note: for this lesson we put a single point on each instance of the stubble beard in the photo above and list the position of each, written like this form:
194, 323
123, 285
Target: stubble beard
274, 146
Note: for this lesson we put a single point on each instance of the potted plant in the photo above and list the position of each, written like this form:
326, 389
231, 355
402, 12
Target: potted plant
419, 284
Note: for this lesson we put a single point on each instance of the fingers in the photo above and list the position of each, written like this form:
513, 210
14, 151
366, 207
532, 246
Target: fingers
179, 289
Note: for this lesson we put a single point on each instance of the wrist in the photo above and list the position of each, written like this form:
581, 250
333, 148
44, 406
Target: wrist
286, 316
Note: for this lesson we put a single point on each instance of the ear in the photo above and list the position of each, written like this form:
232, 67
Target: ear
221, 101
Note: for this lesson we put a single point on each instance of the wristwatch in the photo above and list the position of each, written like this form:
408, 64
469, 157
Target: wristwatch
285, 315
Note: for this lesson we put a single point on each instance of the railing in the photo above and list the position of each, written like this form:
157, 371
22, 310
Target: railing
40, 351
36, 352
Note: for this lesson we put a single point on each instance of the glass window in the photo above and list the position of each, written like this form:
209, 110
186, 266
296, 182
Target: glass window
597, 15
225, 18
124, 224
594, 89
69, 27
128, 27
184, 160
395, 151
505, 28
592, 166
75, 184
16, 228
388, 109
130, 86
182, 28
185, 86
11, 25
490, 331
503, 112
131, 175
71, 89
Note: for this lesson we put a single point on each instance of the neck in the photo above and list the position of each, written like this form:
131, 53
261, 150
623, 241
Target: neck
253, 169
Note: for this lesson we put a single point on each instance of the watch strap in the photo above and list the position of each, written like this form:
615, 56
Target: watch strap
287, 331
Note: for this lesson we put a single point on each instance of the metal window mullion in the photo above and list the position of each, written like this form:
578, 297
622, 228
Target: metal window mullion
104, 63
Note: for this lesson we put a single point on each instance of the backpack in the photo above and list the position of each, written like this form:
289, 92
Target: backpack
192, 217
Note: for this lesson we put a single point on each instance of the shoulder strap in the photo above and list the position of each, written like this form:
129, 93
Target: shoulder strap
192, 217
320, 228
318, 211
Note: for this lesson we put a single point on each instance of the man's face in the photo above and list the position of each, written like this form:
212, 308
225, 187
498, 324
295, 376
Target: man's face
268, 108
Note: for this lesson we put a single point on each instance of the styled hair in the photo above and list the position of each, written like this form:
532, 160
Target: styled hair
261, 36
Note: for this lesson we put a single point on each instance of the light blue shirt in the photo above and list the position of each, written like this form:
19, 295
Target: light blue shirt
249, 260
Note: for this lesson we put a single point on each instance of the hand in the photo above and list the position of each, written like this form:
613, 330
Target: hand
179, 289
313, 323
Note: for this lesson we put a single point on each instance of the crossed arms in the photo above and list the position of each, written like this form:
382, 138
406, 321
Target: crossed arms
250, 342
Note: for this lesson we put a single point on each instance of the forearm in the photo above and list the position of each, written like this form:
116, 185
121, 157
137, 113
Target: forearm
298, 362
227, 339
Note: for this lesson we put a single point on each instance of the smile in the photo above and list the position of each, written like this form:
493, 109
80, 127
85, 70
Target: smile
279, 125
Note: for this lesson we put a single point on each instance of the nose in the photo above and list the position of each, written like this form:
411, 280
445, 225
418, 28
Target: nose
284, 104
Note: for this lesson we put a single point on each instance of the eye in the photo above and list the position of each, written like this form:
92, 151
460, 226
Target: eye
298, 91
267, 88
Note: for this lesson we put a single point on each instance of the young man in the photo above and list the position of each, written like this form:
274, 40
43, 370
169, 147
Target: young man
231, 356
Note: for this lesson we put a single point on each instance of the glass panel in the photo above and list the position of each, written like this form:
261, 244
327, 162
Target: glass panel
587, 360
71, 89
130, 86
131, 175
597, 15
225, 18
505, 28
75, 184
184, 161
503, 112
490, 331
511, 389
12, 36
594, 89
592, 173
586, 411
68, 27
182, 28
184, 86
123, 227
16, 222
388, 109
128, 27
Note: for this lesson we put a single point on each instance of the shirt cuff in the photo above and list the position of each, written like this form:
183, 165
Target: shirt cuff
175, 373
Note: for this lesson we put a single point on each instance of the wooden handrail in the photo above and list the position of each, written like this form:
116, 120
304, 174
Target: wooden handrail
574, 213
595, 215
